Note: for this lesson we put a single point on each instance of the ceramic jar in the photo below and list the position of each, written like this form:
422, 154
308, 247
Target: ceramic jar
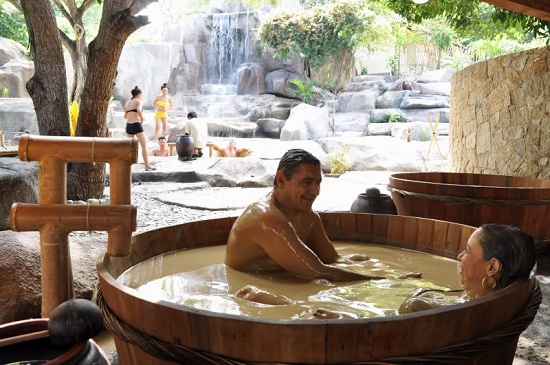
185, 146
373, 202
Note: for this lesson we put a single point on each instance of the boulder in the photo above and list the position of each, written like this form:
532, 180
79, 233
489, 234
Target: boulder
231, 128
423, 101
139, 65
17, 115
306, 122
20, 270
15, 69
273, 107
270, 127
420, 131
18, 183
356, 86
391, 99
351, 122
436, 88
380, 153
441, 75
244, 172
278, 82
358, 101
251, 80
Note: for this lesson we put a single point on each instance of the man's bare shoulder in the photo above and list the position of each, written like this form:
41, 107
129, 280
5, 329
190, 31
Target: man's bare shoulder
262, 211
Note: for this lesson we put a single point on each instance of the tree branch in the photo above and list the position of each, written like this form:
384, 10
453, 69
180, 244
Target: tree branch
17, 5
67, 41
63, 11
86, 4
138, 5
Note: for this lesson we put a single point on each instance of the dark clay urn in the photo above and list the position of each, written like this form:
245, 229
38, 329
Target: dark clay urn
373, 202
185, 146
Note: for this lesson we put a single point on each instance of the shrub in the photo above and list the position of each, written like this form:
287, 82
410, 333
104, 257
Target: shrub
338, 161
306, 90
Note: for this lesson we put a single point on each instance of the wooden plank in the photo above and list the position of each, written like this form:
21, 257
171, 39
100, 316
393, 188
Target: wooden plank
537, 8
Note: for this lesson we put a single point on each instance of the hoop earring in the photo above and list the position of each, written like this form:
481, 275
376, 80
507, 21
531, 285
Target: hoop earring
489, 283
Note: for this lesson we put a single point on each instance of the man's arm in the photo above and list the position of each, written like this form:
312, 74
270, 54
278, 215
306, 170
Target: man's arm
283, 246
319, 243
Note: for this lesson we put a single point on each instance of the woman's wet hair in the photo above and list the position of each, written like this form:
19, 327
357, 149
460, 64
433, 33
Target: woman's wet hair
291, 161
135, 92
514, 249
164, 86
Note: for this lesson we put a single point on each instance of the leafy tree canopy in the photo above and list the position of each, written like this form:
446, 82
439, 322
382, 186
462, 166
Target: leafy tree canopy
467, 15
12, 25
316, 34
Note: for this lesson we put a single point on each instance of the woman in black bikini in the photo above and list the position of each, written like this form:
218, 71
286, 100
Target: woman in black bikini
133, 113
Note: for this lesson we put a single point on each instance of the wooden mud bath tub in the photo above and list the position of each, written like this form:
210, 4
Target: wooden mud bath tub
474, 199
484, 331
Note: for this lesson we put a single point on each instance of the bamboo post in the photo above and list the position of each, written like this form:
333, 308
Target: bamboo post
433, 127
55, 220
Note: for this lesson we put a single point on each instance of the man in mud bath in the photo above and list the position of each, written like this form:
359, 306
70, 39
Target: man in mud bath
281, 231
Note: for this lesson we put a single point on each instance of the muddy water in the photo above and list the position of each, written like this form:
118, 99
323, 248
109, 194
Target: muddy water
199, 279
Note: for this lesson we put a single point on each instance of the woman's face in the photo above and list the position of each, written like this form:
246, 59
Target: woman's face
473, 268
164, 91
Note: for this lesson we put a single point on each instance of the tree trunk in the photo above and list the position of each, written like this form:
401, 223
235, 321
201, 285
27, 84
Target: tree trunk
48, 86
118, 22
78, 50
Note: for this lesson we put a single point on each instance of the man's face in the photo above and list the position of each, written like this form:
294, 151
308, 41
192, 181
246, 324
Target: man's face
162, 143
303, 187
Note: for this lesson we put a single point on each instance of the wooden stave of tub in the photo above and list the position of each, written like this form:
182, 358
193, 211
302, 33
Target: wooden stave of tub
317, 341
468, 199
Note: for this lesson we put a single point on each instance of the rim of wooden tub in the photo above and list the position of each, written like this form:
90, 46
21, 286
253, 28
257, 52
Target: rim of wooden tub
478, 186
211, 336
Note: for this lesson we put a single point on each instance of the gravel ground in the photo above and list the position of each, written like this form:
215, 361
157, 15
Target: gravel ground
534, 344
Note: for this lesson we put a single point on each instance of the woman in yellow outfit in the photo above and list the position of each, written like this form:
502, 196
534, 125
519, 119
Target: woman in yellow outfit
162, 102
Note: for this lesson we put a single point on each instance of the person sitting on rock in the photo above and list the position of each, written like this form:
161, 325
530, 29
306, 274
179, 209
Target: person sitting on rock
198, 129
162, 151
231, 150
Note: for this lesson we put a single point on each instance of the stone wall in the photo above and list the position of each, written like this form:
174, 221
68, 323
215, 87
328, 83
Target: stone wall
500, 116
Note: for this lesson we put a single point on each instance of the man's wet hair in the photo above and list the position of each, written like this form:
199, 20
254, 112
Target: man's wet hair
291, 161
162, 137
191, 115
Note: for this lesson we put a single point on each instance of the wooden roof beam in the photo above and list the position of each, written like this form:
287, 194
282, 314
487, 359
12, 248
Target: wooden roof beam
536, 8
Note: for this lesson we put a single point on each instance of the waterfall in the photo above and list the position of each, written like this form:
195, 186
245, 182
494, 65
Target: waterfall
229, 46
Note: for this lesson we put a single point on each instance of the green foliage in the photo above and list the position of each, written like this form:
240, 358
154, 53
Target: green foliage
393, 63
5, 92
395, 118
338, 161
12, 25
382, 90
471, 16
306, 91
484, 49
442, 36
317, 34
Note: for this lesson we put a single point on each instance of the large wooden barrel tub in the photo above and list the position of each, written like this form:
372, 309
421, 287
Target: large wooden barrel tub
483, 331
474, 199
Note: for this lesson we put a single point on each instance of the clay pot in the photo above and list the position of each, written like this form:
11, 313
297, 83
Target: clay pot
185, 146
41, 350
373, 202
